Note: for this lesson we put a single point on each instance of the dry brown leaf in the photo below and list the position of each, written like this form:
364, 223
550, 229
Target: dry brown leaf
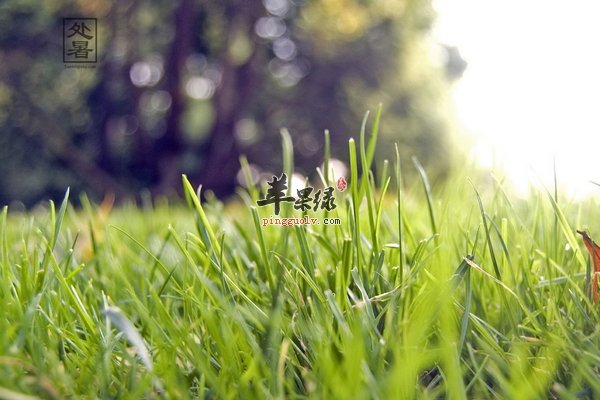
594, 251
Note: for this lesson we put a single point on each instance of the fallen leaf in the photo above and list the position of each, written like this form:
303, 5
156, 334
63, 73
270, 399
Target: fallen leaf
594, 251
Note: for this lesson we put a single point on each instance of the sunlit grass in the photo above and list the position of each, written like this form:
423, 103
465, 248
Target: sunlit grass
458, 291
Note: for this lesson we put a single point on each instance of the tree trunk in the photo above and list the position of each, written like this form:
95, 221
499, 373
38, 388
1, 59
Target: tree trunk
168, 148
238, 85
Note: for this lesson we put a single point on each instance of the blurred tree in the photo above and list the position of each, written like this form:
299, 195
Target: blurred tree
187, 87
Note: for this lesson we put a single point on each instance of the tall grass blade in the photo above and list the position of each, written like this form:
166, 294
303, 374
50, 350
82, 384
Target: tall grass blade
133, 336
428, 196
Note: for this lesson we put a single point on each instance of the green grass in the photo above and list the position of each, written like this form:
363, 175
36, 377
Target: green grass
461, 291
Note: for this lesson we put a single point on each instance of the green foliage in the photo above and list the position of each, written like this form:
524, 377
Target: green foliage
220, 86
486, 300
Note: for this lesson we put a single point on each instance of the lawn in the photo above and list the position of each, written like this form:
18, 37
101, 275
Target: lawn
456, 291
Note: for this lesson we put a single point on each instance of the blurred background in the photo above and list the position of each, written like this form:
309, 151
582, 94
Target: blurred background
188, 86
529, 101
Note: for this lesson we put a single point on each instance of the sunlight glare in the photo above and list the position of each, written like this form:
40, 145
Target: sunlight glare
531, 91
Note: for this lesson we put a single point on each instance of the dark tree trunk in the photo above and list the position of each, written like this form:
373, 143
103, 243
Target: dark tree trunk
106, 105
239, 84
169, 147
103, 104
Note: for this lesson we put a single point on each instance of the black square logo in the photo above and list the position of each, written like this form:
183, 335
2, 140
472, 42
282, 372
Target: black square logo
80, 40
